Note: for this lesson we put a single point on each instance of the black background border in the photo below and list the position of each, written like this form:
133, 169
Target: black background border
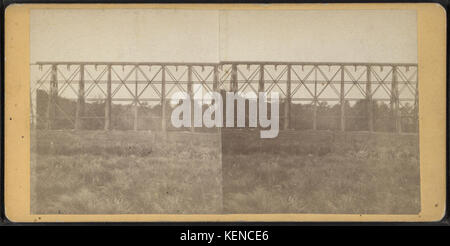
170, 231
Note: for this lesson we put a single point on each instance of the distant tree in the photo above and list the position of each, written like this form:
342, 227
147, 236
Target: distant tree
328, 116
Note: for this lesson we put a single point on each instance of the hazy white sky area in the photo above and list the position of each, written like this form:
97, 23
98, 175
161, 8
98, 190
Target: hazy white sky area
341, 36
223, 35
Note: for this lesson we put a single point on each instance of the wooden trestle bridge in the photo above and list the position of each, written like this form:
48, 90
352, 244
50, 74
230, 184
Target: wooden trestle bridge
139, 83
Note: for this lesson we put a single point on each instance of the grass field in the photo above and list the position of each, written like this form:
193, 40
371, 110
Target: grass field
93, 172
320, 172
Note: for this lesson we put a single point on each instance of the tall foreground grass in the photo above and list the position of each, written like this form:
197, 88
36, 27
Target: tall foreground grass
93, 172
320, 172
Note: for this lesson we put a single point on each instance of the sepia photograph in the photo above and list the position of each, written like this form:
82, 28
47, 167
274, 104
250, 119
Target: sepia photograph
224, 111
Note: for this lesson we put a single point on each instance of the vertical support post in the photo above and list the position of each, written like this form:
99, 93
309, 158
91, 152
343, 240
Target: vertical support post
136, 100
287, 104
392, 100
163, 98
260, 86
191, 96
52, 98
416, 104
369, 99
342, 98
397, 106
315, 100
216, 77
81, 101
234, 83
215, 84
261, 79
395, 101
108, 100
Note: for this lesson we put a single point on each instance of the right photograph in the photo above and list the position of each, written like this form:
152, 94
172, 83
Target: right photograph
341, 109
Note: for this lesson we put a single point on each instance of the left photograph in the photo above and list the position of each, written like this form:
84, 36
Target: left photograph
102, 141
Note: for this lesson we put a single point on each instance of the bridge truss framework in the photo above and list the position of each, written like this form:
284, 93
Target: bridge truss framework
296, 82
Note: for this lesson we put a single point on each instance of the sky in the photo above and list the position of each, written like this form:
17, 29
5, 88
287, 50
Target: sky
223, 35
175, 35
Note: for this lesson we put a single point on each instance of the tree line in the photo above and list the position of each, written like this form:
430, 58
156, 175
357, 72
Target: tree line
328, 115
